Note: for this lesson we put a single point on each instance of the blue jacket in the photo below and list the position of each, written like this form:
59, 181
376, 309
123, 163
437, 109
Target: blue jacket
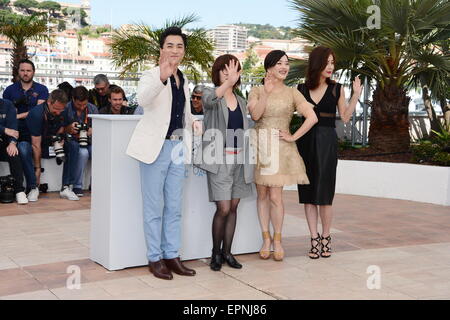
8, 119
70, 114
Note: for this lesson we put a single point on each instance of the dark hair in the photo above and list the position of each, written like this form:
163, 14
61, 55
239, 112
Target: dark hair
27, 61
219, 65
116, 89
318, 60
80, 93
172, 31
58, 95
67, 88
272, 58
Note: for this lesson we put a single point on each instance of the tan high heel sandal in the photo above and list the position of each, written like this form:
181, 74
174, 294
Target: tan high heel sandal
278, 255
264, 254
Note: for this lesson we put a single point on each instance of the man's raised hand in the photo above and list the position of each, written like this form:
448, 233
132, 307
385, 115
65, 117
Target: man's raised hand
166, 67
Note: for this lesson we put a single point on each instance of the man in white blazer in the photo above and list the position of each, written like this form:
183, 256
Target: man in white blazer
161, 141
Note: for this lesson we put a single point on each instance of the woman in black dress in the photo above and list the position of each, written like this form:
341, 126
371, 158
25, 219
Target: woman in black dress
319, 146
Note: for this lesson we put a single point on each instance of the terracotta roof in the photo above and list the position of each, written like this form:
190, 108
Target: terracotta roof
5, 46
101, 54
71, 57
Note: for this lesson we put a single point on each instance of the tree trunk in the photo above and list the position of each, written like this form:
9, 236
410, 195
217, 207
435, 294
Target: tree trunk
434, 121
389, 122
446, 112
19, 53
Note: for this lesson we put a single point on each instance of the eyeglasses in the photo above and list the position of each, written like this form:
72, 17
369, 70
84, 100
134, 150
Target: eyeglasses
101, 89
193, 97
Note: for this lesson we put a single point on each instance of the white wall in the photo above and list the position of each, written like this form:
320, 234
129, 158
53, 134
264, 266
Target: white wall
418, 183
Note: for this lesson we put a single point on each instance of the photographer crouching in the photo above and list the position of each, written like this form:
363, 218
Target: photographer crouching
8, 151
79, 125
46, 125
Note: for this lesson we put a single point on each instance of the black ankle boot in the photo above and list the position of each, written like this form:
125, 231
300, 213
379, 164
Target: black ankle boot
216, 261
231, 261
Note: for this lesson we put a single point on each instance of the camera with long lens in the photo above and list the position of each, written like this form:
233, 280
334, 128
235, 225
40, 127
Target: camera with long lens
57, 142
128, 110
83, 130
7, 189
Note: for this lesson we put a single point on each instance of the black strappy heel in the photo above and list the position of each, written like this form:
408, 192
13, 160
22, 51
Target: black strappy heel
326, 247
315, 248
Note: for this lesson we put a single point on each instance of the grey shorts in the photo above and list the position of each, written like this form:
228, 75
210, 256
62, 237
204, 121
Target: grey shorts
228, 183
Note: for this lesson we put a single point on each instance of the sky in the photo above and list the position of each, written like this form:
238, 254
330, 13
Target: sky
211, 12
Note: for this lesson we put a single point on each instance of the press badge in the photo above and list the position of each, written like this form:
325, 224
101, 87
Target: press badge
51, 151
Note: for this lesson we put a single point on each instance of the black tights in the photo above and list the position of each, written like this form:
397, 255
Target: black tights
224, 225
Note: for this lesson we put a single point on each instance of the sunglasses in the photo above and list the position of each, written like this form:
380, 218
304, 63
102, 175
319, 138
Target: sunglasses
193, 97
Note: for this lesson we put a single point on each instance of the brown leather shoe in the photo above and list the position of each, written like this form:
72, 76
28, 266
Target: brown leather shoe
177, 267
160, 270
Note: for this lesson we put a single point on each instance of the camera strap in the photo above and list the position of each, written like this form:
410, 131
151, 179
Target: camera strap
48, 117
46, 114
75, 114
86, 114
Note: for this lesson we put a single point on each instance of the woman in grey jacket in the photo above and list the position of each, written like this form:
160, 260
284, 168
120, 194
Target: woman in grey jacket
225, 155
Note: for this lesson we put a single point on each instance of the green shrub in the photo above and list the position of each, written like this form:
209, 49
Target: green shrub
425, 151
431, 151
442, 159
442, 137
345, 145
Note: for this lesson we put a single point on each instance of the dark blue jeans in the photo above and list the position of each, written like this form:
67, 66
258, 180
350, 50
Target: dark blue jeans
26, 156
72, 150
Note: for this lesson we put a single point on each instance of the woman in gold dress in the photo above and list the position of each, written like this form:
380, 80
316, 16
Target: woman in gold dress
278, 162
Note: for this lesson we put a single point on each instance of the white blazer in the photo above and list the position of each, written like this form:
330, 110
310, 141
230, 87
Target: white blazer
149, 135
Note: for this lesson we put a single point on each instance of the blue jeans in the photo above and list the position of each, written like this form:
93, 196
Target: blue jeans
84, 154
162, 193
26, 157
75, 161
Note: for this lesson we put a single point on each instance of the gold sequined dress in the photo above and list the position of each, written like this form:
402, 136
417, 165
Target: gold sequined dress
278, 162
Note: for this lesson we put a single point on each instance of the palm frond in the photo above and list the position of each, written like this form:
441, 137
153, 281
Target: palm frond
24, 28
389, 54
139, 46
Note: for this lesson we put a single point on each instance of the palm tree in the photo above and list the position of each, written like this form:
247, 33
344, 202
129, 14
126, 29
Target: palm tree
134, 48
435, 85
24, 28
391, 53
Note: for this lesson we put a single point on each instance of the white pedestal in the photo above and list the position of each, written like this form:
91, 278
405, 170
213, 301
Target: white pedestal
117, 233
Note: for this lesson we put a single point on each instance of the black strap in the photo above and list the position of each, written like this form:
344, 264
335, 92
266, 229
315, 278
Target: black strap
302, 88
326, 247
315, 248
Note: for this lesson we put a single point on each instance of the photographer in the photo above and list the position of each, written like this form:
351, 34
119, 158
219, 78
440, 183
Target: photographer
79, 148
45, 123
25, 95
116, 98
196, 101
8, 147
98, 96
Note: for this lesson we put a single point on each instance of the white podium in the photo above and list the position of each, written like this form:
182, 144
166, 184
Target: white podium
117, 232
